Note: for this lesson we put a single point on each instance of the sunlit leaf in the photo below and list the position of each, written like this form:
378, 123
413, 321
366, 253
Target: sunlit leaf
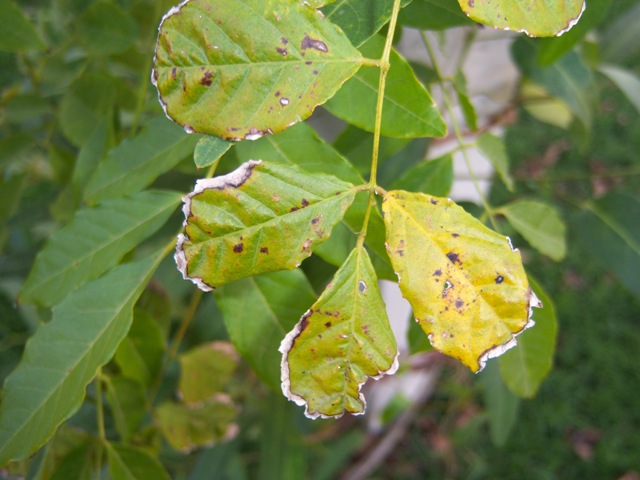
341, 340
539, 224
132, 463
546, 18
259, 65
94, 241
205, 370
494, 150
465, 283
62, 357
17, 34
209, 150
434, 177
187, 427
258, 312
259, 218
524, 368
409, 110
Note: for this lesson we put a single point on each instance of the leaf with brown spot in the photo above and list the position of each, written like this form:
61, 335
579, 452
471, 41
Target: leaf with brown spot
451, 281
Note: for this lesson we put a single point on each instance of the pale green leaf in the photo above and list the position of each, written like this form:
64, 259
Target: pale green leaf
259, 65
94, 241
133, 463
137, 162
62, 357
205, 370
494, 150
104, 29
546, 18
542, 106
17, 34
524, 368
465, 282
127, 399
209, 150
626, 81
259, 311
434, 177
259, 218
502, 405
343, 339
409, 110
468, 110
187, 427
539, 224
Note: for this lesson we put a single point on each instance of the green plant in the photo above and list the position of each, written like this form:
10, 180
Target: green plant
243, 75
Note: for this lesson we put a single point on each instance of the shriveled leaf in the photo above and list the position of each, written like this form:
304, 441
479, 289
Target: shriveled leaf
127, 401
409, 110
132, 463
17, 34
343, 339
494, 150
259, 218
502, 405
209, 150
137, 162
94, 241
434, 177
259, 65
546, 18
259, 311
205, 370
464, 281
187, 427
104, 29
626, 81
433, 15
61, 358
524, 368
539, 224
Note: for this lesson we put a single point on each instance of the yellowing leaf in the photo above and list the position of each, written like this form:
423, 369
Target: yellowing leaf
259, 218
344, 338
465, 282
205, 370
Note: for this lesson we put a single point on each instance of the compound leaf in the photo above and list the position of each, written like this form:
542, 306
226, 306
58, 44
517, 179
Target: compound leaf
343, 338
259, 218
259, 65
465, 282
93, 242
546, 18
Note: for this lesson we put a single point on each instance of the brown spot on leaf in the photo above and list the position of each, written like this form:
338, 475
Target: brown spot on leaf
433, 201
306, 245
284, 40
499, 279
282, 51
174, 72
308, 62
308, 42
238, 247
264, 250
459, 302
471, 3
304, 321
400, 253
454, 258
437, 273
455, 235
206, 79
316, 219
277, 93
328, 324
293, 209
305, 202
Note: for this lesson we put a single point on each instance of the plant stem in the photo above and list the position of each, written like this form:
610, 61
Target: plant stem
100, 420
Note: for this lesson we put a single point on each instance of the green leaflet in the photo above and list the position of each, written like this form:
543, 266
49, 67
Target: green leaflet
127, 399
536, 18
494, 150
132, 463
464, 281
63, 355
259, 218
434, 177
502, 405
17, 34
209, 150
93, 242
259, 65
343, 338
104, 29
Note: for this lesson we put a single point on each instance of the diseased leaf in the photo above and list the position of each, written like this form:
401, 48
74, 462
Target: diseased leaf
539, 224
187, 427
524, 368
132, 463
259, 218
409, 110
464, 281
17, 34
209, 150
94, 241
259, 65
434, 177
137, 162
343, 338
61, 358
546, 18
205, 370
493, 149
258, 311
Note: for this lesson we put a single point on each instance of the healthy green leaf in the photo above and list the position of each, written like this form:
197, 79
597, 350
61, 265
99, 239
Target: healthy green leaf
127, 401
259, 311
343, 338
433, 15
209, 150
494, 150
94, 241
465, 282
259, 218
91, 155
626, 81
502, 405
524, 368
434, 177
137, 162
609, 230
105, 29
468, 110
545, 18
187, 427
17, 34
540, 225
61, 358
409, 110
205, 370
132, 463
259, 65
75, 465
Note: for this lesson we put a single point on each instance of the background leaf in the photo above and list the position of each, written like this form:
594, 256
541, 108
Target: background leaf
205, 370
433, 15
209, 150
132, 463
17, 33
502, 405
626, 81
260, 65
104, 29
493, 149
434, 177
127, 399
